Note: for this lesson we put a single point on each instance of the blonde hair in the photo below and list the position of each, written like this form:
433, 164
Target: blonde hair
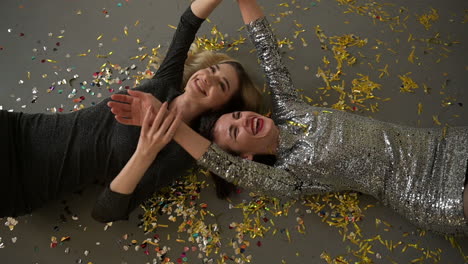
249, 94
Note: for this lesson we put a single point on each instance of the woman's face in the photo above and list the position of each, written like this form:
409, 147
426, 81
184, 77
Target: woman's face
246, 133
213, 87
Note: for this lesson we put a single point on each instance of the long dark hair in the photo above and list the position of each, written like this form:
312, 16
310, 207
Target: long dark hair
224, 188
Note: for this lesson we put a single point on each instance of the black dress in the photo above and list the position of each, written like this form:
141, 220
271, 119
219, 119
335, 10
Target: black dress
44, 156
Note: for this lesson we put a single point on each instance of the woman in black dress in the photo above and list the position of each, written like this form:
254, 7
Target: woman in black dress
47, 155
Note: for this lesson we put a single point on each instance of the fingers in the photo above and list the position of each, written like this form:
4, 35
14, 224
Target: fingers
122, 98
173, 128
147, 121
158, 120
123, 120
120, 109
163, 130
136, 93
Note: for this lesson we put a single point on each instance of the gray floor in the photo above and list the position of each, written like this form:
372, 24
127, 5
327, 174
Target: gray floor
59, 31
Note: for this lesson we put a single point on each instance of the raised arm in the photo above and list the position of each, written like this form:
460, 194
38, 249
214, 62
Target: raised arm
172, 66
277, 75
115, 202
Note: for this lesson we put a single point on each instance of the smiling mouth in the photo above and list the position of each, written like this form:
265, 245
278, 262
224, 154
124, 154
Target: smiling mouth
256, 124
199, 88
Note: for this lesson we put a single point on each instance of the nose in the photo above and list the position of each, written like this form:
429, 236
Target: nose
207, 80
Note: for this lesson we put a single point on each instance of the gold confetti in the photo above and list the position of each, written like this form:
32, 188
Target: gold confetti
427, 19
411, 57
408, 85
435, 118
384, 71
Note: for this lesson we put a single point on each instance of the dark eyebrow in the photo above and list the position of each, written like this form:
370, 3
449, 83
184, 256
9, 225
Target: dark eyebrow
226, 80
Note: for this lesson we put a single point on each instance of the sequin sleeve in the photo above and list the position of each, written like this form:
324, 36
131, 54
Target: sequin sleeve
277, 75
248, 174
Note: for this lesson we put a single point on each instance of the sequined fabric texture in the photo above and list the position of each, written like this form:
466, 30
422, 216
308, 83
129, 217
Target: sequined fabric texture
419, 172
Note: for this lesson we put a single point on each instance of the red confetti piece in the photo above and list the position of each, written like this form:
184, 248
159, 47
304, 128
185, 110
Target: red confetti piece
259, 243
58, 43
21, 34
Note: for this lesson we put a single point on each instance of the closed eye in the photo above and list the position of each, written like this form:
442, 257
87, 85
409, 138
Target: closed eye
233, 131
225, 86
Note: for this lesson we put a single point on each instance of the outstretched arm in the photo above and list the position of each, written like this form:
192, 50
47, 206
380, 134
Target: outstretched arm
122, 195
250, 10
173, 65
246, 173
277, 75
203, 8
157, 130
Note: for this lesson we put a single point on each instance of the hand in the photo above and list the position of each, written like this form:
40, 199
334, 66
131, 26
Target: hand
157, 130
130, 109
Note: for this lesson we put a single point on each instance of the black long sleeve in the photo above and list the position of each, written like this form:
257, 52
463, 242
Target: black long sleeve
172, 67
45, 156
110, 205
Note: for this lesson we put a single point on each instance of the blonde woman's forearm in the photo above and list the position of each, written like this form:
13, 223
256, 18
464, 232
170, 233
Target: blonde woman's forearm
203, 8
129, 177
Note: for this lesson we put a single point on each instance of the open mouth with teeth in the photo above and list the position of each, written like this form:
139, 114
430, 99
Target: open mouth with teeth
256, 124
199, 87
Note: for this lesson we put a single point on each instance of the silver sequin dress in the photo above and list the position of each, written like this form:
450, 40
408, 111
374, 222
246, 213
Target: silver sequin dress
419, 172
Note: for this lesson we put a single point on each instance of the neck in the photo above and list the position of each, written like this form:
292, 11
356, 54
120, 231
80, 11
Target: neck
188, 110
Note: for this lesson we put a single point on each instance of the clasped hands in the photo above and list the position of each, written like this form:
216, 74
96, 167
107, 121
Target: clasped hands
158, 124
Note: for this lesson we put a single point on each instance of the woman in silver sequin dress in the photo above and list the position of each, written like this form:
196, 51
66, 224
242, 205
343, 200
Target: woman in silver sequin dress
419, 172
